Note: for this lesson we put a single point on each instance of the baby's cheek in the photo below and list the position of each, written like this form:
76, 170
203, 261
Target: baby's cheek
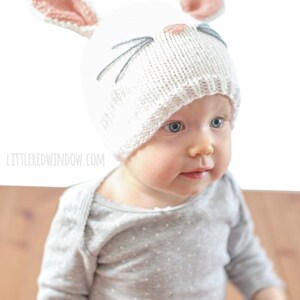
222, 162
161, 168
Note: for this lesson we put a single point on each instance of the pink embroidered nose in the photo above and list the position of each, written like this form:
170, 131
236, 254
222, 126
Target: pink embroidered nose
176, 28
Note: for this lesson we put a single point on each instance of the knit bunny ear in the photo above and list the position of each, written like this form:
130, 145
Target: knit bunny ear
204, 10
77, 15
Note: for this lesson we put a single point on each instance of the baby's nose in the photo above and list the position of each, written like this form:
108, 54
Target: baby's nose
202, 146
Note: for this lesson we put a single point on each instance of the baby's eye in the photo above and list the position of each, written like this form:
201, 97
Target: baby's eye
217, 122
174, 127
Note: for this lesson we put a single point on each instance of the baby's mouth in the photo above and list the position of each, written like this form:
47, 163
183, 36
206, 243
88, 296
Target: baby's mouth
197, 173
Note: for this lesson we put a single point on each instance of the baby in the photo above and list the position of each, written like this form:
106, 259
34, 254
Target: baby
169, 222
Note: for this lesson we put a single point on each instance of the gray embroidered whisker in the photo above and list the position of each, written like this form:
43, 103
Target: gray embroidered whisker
132, 40
131, 57
128, 50
206, 29
144, 40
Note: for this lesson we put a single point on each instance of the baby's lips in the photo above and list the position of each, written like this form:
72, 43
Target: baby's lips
199, 170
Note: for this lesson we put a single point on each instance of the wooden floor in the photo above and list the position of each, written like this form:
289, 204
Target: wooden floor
26, 214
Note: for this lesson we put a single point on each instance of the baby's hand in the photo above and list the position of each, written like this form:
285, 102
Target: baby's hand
271, 293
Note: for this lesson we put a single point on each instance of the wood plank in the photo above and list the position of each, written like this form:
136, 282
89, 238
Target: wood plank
262, 229
24, 226
284, 217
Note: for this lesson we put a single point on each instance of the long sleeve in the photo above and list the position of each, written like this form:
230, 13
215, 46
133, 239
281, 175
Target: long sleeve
68, 266
249, 269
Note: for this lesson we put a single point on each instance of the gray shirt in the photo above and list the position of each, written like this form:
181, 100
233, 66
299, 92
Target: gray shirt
99, 249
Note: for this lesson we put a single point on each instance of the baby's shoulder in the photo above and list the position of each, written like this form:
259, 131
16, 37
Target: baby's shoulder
229, 182
224, 196
77, 199
75, 210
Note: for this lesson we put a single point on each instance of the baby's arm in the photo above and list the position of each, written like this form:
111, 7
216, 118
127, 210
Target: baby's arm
249, 269
68, 267
272, 293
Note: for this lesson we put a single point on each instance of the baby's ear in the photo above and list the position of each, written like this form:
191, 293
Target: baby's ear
204, 10
76, 15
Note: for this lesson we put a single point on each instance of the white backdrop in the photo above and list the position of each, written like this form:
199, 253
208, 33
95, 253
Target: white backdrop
46, 138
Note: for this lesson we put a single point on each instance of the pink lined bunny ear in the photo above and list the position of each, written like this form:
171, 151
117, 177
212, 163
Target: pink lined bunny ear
77, 15
204, 10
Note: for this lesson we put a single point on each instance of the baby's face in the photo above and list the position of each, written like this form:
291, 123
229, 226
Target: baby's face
198, 136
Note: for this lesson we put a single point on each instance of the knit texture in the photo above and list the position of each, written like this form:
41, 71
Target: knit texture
163, 76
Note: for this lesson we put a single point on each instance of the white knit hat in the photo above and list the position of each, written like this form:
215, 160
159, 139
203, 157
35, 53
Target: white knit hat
136, 74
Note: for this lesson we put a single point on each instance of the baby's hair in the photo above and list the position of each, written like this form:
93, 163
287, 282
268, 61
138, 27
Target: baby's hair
145, 40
